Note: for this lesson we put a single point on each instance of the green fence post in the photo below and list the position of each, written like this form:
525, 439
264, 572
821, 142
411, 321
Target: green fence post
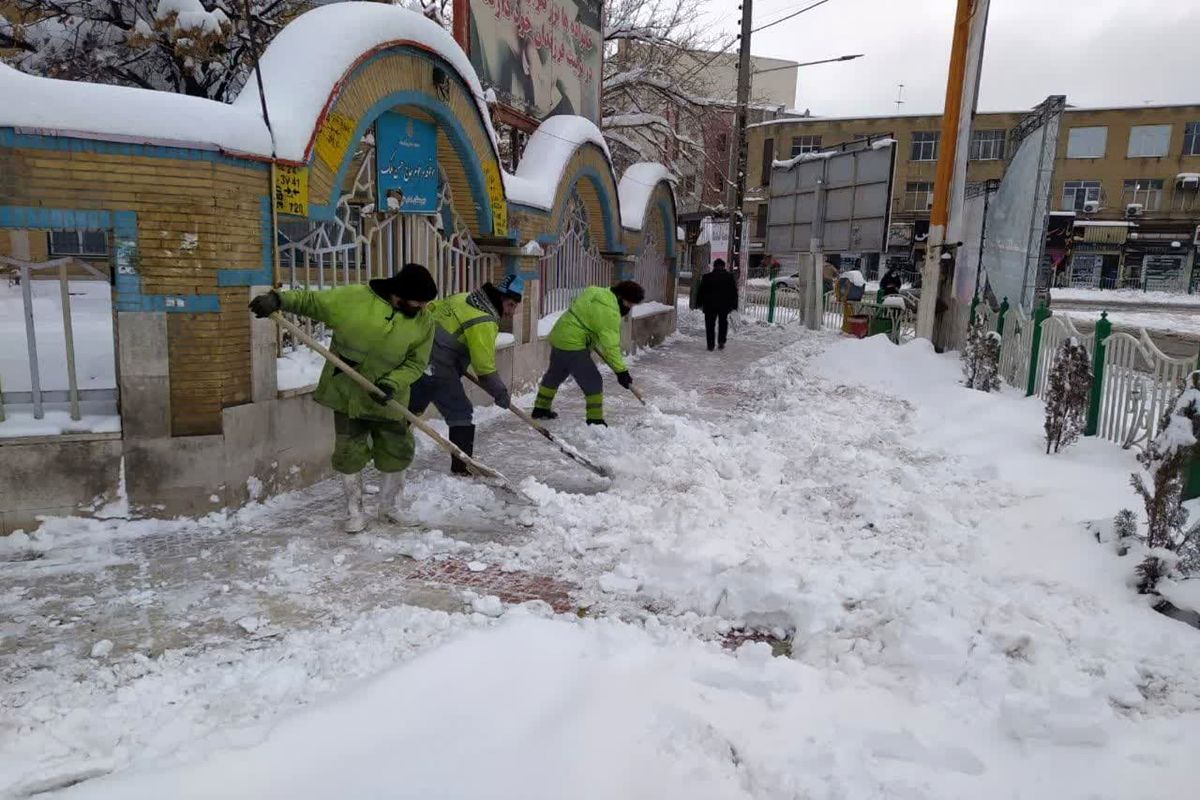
1103, 330
771, 304
1191, 486
1000, 316
1040, 315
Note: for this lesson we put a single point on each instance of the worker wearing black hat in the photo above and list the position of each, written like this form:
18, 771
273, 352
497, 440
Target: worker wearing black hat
383, 331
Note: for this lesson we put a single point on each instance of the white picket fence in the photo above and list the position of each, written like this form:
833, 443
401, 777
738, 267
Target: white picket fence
1140, 383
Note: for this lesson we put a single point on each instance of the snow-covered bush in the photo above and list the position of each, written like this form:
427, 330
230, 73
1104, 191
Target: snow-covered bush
1173, 547
1124, 530
1070, 385
981, 359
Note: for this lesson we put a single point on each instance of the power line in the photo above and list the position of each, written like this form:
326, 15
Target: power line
789, 16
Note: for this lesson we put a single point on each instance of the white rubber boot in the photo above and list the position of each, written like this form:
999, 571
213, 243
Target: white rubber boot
356, 520
390, 489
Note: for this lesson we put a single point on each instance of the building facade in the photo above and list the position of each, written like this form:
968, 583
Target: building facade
1129, 176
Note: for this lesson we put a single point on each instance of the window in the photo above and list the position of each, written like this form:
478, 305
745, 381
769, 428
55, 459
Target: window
760, 222
1076, 193
1191, 139
1147, 191
1087, 142
689, 184
987, 145
1149, 141
768, 158
805, 144
918, 196
78, 243
925, 146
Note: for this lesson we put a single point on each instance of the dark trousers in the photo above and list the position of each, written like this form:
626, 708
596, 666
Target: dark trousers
716, 327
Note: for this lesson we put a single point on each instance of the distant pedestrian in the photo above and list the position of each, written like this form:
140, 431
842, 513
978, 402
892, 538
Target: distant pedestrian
717, 297
891, 282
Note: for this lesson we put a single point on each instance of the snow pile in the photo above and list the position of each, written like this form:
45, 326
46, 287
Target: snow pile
634, 190
1107, 298
649, 309
546, 323
803, 158
190, 15
299, 368
546, 156
880, 144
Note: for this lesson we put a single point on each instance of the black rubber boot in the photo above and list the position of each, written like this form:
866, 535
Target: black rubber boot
544, 413
597, 422
463, 437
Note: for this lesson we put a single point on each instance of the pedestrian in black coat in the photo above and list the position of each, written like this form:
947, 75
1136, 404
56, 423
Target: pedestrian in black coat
717, 296
891, 282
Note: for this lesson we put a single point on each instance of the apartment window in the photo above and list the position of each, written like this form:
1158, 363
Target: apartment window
1147, 191
805, 144
1076, 193
689, 185
1191, 139
768, 158
760, 222
1149, 141
917, 196
925, 146
987, 145
1087, 142
78, 243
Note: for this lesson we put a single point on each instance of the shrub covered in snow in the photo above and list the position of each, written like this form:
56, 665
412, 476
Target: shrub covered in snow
1173, 547
1124, 530
981, 359
1070, 385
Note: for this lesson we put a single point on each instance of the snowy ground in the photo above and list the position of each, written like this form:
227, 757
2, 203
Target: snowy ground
1107, 298
1186, 323
944, 626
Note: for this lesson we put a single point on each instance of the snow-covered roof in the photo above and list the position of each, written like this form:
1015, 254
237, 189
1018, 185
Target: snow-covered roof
634, 190
301, 68
124, 113
546, 156
310, 56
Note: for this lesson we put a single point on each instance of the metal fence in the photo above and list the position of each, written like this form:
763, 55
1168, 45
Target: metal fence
650, 270
359, 245
898, 322
760, 304
38, 395
572, 263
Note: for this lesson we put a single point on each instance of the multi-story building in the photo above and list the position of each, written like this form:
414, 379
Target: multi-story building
1130, 176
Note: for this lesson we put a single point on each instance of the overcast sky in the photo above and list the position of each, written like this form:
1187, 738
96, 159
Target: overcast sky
1096, 52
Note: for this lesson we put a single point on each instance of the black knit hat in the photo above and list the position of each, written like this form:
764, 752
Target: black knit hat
630, 291
413, 283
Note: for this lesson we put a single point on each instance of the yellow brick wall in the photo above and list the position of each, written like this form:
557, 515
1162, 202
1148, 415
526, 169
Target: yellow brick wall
220, 204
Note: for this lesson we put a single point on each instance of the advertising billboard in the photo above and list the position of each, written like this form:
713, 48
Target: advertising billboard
541, 57
406, 164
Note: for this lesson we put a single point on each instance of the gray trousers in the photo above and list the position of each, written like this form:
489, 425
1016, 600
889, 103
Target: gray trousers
577, 364
448, 396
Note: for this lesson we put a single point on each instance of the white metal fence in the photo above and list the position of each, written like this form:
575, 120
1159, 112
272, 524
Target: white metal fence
572, 263
754, 303
1140, 383
359, 245
1055, 331
71, 393
650, 270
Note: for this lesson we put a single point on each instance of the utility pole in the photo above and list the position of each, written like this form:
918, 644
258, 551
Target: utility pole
737, 167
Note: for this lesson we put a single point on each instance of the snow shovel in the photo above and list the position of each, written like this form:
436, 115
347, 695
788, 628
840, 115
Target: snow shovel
566, 449
632, 389
473, 466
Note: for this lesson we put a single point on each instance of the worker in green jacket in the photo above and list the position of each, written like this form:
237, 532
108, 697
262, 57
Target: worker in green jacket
593, 322
384, 333
465, 336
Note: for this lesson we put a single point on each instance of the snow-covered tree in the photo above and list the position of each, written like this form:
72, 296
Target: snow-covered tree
1171, 544
197, 47
656, 93
1125, 530
1070, 385
981, 359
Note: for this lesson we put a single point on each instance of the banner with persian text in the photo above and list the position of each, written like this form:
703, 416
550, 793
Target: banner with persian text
542, 57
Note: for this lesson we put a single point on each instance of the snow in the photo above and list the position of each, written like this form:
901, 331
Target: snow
546, 156
56, 420
1101, 223
649, 308
880, 144
855, 277
301, 68
634, 190
1115, 297
505, 340
299, 368
802, 158
546, 323
1182, 322
532, 248
947, 626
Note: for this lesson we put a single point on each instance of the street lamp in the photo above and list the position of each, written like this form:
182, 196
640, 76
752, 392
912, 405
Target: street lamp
810, 63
